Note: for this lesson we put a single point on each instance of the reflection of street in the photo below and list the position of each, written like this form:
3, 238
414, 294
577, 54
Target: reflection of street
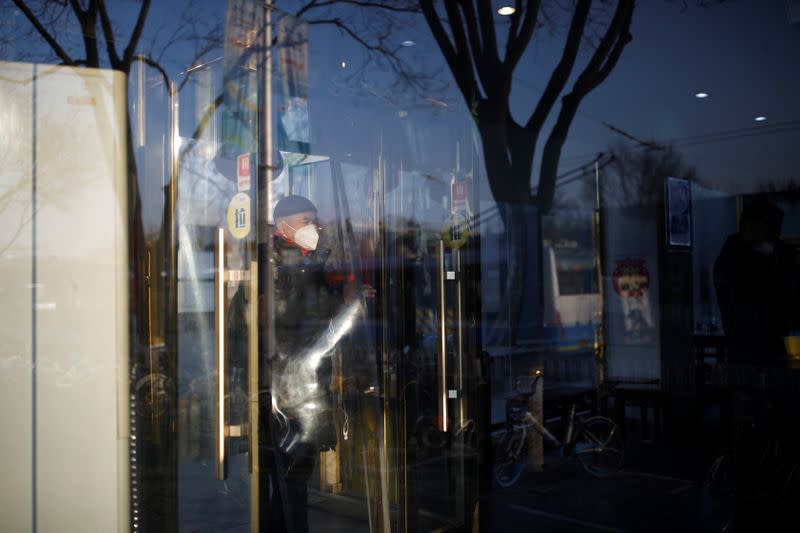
562, 499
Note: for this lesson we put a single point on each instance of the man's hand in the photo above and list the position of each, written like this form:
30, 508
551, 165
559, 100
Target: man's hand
367, 292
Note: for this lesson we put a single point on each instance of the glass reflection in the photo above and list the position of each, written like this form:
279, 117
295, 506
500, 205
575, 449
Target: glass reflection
493, 194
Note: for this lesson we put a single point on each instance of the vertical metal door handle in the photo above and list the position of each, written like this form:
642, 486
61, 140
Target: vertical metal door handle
442, 342
220, 458
459, 383
252, 368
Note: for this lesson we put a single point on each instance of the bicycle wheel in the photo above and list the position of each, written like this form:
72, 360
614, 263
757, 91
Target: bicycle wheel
718, 495
509, 457
599, 446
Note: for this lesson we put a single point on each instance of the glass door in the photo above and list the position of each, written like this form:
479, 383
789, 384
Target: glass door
326, 450
429, 281
306, 341
391, 443
196, 373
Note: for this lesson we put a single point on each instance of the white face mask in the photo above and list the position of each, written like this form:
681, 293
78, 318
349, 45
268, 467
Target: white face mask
306, 237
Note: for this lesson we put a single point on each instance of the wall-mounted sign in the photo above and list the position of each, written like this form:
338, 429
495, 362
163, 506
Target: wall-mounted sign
455, 231
679, 212
239, 215
458, 195
631, 280
243, 172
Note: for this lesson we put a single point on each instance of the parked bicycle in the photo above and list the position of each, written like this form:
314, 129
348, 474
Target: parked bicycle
757, 480
596, 442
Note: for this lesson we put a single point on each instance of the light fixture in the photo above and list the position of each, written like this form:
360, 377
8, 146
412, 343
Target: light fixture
408, 43
344, 64
761, 118
506, 10
702, 95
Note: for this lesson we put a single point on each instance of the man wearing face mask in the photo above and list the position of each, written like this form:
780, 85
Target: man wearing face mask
756, 285
308, 293
295, 221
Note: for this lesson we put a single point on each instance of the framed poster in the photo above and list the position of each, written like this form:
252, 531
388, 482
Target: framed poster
679, 212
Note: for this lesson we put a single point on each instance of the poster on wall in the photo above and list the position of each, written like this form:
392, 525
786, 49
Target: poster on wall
679, 212
631, 282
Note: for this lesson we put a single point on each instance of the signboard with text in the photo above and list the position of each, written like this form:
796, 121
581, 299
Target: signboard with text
459, 196
243, 172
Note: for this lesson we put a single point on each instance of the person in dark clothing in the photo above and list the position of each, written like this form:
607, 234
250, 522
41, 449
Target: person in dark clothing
311, 314
755, 282
755, 277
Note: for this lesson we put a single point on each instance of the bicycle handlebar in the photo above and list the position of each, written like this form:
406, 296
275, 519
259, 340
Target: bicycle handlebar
533, 380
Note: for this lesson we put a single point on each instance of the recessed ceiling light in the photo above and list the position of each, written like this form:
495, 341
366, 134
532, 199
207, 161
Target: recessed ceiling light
506, 10
344, 64
407, 43
761, 118
702, 95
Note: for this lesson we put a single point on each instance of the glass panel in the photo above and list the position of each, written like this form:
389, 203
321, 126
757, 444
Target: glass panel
401, 381
194, 143
217, 290
399, 265
326, 425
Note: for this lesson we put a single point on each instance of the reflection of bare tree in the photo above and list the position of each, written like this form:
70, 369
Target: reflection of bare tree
8, 199
97, 33
84, 33
119, 35
635, 176
469, 41
468, 35
15, 198
372, 25
376, 27
78, 33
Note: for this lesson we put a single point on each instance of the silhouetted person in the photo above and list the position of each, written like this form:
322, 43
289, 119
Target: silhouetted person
755, 277
755, 282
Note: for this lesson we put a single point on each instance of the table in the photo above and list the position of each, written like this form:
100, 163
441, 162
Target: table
644, 392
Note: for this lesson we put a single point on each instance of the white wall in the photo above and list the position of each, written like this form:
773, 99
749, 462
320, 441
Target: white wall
77, 330
16, 355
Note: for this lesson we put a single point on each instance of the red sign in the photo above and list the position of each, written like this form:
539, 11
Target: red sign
243, 172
